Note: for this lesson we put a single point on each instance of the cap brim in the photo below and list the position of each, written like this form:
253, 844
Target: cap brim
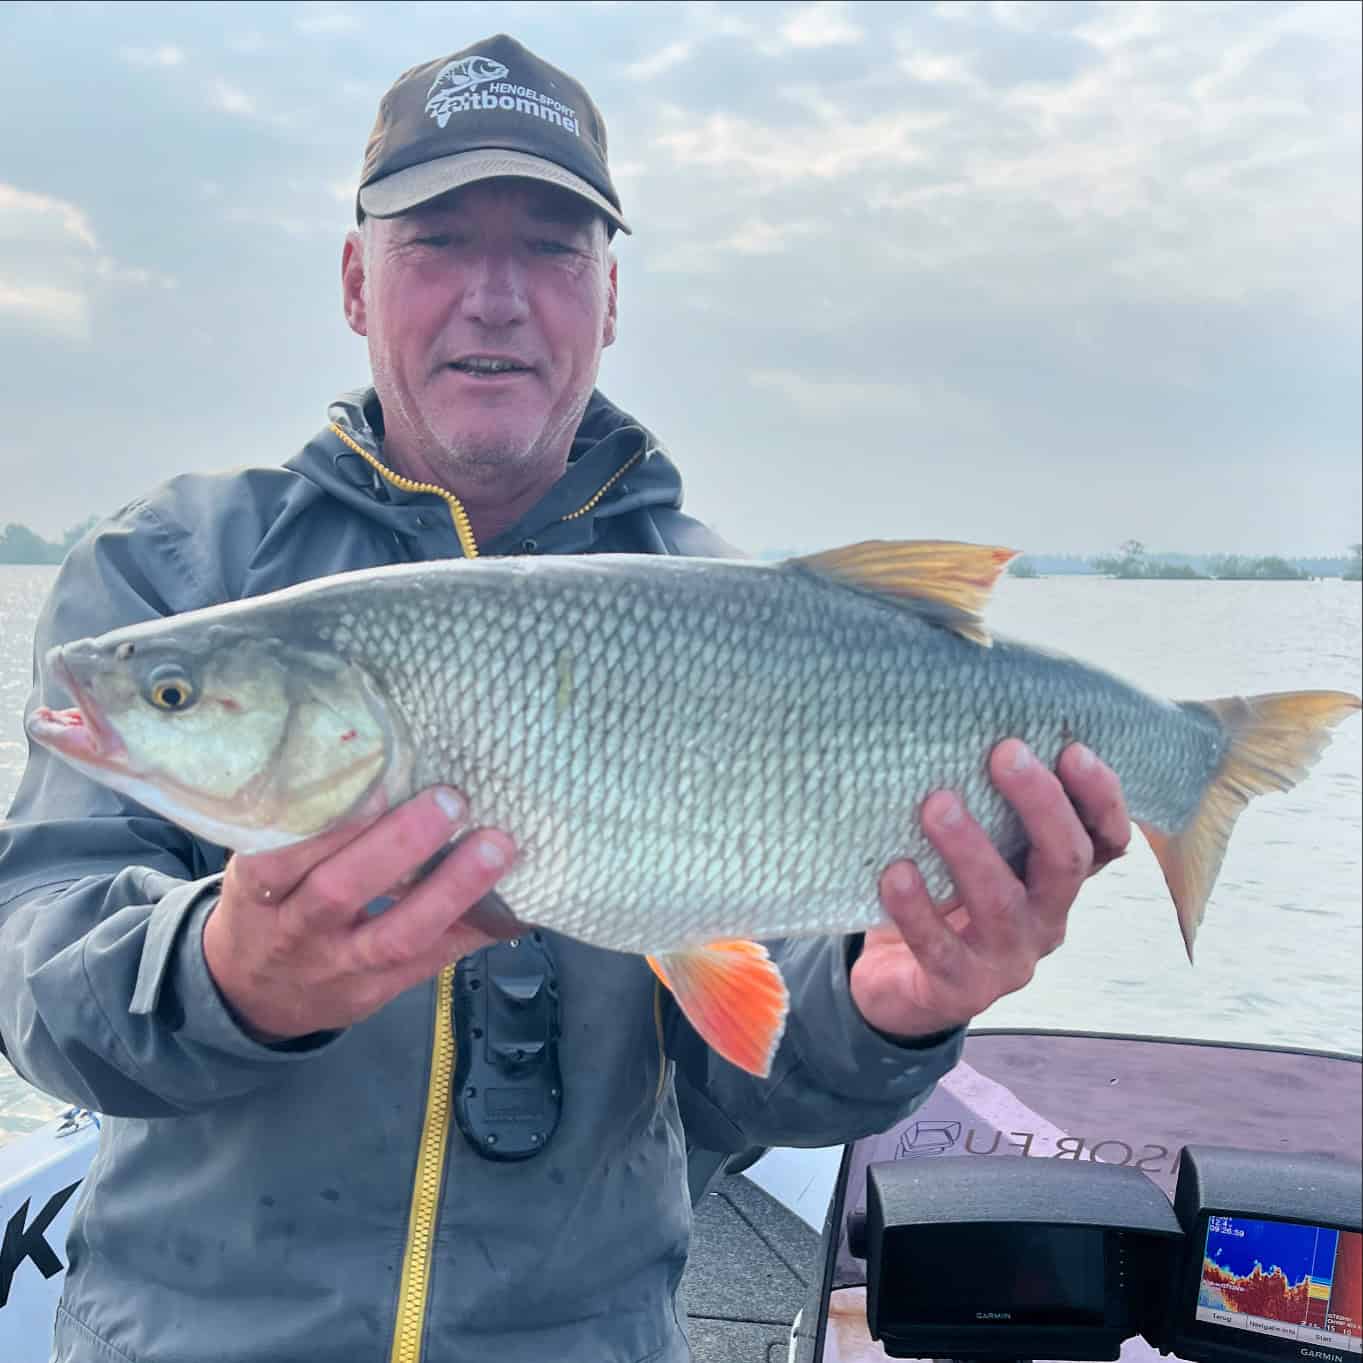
404, 190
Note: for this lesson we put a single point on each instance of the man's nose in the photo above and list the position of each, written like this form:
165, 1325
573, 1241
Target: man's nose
494, 291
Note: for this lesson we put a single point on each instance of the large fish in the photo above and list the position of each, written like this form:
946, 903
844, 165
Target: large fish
689, 753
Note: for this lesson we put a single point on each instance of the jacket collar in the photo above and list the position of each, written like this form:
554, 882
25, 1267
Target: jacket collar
616, 465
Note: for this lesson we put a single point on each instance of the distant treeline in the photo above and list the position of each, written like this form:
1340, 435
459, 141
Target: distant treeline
19, 544
1133, 560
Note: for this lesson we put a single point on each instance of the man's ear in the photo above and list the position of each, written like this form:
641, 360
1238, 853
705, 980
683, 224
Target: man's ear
352, 284
612, 305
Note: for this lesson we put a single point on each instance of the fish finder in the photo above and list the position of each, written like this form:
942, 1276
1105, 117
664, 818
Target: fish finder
1272, 1263
1012, 1258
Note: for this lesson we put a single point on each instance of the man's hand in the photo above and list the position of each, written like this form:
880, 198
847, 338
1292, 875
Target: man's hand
934, 967
291, 946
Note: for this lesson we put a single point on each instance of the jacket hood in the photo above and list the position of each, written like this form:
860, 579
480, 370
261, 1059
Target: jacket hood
616, 465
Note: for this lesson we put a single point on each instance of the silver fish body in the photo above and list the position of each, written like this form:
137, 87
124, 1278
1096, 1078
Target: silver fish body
686, 749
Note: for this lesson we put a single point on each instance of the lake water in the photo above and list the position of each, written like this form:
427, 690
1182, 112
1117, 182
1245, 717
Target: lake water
1278, 955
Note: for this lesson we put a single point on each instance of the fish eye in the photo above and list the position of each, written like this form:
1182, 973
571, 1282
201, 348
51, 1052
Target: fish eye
169, 689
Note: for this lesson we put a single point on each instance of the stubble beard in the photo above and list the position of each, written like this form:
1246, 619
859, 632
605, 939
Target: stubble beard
498, 467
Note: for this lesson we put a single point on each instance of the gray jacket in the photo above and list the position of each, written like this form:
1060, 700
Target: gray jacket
251, 1204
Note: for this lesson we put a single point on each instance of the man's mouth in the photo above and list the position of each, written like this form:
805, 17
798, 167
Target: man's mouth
489, 366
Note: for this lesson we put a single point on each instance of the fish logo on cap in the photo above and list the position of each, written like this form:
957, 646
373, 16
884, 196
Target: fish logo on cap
455, 79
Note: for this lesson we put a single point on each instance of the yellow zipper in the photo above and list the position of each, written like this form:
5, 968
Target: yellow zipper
415, 1284
414, 1287
458, 515
605, 487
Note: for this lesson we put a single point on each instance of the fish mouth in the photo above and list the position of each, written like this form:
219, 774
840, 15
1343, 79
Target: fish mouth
81, 734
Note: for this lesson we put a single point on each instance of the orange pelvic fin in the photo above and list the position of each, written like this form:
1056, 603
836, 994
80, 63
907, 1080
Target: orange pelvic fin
733, 995
1274, 740
944, 581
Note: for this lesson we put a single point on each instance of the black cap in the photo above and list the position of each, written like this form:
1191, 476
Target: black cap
491, 110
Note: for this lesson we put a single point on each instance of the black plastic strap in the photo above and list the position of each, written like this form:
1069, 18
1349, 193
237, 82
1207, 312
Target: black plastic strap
508, 1090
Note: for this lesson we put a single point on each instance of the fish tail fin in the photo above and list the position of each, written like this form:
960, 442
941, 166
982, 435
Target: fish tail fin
1273, 742
733, 995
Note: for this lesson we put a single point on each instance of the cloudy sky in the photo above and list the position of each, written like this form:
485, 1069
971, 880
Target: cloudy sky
1046, 275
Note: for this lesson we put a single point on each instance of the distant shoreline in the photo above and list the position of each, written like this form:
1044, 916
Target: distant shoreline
22, 547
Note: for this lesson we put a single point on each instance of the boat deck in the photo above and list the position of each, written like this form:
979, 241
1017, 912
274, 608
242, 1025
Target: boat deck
751, 1263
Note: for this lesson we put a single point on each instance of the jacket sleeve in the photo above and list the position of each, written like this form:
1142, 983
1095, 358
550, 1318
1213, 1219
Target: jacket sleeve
105, 998
834, 1078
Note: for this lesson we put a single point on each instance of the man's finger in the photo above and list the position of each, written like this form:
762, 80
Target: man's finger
918, 921
373, 863
269, 877
995, 897
459, 941
409, 930
1097, 794
1061, 853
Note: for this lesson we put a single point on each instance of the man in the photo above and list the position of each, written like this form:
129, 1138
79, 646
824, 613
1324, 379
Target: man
280, 1176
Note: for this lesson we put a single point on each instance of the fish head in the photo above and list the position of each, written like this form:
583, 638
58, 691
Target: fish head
245, 739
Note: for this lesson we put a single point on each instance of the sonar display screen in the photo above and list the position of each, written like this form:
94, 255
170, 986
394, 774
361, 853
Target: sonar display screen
1277, 1278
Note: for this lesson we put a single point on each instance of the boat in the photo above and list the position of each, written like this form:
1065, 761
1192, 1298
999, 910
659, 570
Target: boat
774, 1271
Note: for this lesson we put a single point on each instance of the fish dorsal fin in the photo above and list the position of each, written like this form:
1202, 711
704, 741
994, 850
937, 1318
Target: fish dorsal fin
945, 581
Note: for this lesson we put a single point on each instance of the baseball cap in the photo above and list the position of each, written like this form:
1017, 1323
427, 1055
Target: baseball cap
493, 109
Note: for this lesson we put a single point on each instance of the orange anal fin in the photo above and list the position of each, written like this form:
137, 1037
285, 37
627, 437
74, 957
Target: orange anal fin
733, 995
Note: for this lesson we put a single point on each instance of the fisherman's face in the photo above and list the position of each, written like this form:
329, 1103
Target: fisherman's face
486, 312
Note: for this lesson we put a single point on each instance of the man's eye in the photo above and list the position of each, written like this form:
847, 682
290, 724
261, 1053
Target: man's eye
549, 247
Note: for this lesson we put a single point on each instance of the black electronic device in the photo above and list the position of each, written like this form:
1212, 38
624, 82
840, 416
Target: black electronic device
508, 1088
1271, 1265
1012, 1258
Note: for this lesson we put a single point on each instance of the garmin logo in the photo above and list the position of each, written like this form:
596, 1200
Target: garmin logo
993, 1315
1322, 1353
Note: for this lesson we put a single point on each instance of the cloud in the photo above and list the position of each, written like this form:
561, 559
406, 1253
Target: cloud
712, 19
63, 311
1129, 153
54, 264
664, 59
332, 22
1114, 27
808, 28
940, 69
164, 55
134, 276
759, 238
754, 238
830, 397
821, 25
770, 156
23, 214
228, 99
